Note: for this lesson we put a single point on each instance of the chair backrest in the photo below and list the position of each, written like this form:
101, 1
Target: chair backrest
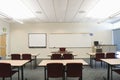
55, 70
99, 56
110, 55
74, 69
26, 56
5, 70
56, 56
62, 49
68, 56
15, 56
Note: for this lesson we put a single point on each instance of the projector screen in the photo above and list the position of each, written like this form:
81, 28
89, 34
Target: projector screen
70, 40
37, 40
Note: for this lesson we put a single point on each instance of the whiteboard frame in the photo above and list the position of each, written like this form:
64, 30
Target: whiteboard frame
40, 35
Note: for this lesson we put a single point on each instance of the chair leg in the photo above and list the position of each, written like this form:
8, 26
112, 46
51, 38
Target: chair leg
10, 78
18, 74
101, 63
80, 78
31, 64
3, 78
95, 64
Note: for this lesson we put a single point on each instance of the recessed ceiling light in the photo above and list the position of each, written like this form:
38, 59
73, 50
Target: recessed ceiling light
39, 12
81, 12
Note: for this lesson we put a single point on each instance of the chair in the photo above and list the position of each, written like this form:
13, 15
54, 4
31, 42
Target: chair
6, 71
62, 50
74, 70
98, 57
56, 56
110, 55
15, 56
115, 70
27, 57
68, 56
55, 70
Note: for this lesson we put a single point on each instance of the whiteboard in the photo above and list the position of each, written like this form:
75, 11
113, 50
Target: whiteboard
37, 40
70, 40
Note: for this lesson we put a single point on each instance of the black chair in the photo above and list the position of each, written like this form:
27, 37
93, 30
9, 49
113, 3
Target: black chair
74, 70
56, 56
98, 57
55, 70
6, 71
68, 56
15, 56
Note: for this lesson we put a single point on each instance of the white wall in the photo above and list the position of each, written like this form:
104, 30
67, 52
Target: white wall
19, 36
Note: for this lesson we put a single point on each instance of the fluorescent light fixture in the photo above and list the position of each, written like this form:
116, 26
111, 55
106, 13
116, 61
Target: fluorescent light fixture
15, 9
104, 9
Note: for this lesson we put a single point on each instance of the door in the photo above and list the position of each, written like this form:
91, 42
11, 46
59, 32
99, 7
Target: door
3, 45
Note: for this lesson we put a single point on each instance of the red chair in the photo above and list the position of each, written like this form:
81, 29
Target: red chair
110, 55
68, 56
56, 56
27, 57
55, 70
15, 56
74, 70
62, 50
6, 71
98, 57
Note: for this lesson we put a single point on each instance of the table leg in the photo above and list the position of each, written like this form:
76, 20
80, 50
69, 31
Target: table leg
108, 73
45, 73
22, 73
35, 63
91, 61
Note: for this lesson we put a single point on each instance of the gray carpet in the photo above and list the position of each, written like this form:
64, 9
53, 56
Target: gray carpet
89, 73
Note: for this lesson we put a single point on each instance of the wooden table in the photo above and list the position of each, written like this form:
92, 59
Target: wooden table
44, 63
17, 63
111, 62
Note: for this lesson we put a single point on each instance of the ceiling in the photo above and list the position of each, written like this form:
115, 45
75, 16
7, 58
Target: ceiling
55, 11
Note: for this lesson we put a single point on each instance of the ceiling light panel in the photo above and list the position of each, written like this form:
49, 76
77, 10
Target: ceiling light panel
33, 5
60, 7
47, 6
73, 8
84, 9
104, 9
15, 9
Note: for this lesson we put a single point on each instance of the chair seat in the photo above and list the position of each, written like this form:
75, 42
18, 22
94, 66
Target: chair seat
117, 71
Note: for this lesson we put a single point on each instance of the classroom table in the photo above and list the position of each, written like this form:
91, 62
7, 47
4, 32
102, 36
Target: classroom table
33, 55
35, 58
44, 63
50, 54
17, 63
92, 56
111, 62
